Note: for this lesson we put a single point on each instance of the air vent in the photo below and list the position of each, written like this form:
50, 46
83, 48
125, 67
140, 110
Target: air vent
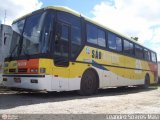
22, 70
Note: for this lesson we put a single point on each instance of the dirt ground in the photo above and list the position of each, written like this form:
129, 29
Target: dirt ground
110, 101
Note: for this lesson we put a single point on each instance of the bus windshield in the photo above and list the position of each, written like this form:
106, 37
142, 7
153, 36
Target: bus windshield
17, 31
31, 36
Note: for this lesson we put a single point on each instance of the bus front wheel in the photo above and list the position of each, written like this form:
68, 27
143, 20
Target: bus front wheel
89, 83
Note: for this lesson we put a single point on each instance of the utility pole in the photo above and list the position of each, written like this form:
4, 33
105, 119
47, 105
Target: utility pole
5, 15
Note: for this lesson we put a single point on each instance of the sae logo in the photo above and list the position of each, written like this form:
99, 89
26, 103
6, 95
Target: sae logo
87, 50
22, 64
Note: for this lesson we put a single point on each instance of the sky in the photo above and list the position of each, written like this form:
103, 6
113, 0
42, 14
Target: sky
133, 18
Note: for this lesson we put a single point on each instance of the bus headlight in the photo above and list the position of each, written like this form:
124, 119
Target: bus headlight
42, 70
34, 70
5, 64
5, 70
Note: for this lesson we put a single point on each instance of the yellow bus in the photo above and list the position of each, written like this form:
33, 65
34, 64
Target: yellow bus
58, 49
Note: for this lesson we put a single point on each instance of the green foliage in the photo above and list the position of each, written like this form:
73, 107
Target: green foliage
134, 38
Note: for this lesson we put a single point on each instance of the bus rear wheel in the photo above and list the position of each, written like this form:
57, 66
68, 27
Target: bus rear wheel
89, 83
146, 82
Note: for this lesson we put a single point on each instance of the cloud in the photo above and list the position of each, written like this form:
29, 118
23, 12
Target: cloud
17, 8
134, 18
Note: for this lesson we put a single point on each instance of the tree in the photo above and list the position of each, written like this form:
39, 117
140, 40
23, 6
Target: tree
134, 38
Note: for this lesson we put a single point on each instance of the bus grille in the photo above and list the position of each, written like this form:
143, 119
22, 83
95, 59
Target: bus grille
22, 70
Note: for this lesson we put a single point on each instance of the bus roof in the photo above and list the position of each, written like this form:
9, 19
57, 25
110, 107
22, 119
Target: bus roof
68, 10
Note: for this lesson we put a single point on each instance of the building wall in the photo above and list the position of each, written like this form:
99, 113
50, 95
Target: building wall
5, 40
159, 69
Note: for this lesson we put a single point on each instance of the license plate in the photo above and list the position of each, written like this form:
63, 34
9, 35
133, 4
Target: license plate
17, 80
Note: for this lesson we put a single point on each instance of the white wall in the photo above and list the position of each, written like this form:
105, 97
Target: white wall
5, 31
159, 69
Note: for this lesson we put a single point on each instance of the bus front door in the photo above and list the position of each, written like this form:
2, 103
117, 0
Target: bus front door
61, 56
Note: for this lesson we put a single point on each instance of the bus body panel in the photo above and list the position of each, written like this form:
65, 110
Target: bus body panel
109, 68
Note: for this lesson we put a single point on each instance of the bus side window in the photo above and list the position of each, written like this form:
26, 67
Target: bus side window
119, 44
76, 40
146, 54
153, 57
114, 42
96, 35
139, 51
92, 34
128, 47
111, 41
101, 38
75, 32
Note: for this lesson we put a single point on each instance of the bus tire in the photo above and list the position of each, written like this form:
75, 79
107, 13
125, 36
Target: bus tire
158, 80
89, 83
122, 87
146, 82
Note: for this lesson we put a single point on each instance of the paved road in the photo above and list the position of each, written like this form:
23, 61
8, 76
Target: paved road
113, 100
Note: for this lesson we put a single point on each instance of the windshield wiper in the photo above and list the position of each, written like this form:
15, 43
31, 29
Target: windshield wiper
25, 54
10, 57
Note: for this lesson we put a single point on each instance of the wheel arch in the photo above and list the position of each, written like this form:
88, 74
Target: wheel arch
147, 75
95, 72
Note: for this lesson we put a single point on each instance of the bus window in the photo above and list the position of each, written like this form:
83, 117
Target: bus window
139, 51
75, 23
17, 31
101, 38
31, 34
47, 31
119, 44
131, 48
62, 43
112, 41
153, 56
36, 34
91, 34
146, 54
75, 40
128, 47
